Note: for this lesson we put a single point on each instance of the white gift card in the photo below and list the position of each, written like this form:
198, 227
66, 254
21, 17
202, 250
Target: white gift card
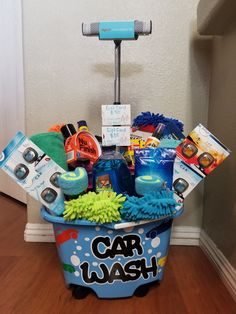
116, 115
119, 136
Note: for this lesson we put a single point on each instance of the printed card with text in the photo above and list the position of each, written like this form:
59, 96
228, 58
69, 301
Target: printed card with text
119, 136
116, 115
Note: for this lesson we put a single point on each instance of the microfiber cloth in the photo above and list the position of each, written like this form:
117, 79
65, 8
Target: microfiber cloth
56, 128
146, 184
169, 143
73, 182
52, 144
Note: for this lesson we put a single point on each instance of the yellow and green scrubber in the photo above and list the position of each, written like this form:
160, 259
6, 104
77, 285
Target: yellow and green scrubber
154, 205
101, 208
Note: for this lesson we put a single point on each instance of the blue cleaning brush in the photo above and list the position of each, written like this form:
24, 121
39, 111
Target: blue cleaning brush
154, 205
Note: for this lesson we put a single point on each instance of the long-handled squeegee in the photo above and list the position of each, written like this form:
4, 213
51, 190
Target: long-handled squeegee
117, 31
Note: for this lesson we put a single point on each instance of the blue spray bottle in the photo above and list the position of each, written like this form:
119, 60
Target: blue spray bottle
111, 173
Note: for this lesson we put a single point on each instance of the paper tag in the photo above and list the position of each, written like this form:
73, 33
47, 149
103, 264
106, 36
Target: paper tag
116, 115
119, 136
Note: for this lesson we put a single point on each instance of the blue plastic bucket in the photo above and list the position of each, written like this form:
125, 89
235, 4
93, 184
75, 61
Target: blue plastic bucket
113, 263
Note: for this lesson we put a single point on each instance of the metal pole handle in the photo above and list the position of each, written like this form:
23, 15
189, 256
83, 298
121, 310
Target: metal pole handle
117, 71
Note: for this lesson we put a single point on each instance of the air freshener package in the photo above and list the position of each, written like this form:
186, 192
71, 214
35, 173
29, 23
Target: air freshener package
34, 171
156, 163
185, 178
202, 150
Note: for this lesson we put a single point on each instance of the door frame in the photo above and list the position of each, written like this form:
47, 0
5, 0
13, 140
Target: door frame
12, 96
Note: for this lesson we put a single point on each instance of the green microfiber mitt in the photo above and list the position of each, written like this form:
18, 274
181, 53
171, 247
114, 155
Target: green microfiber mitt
101, 208
52, 144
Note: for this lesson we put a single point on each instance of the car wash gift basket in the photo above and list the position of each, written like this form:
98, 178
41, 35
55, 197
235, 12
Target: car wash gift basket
112, 198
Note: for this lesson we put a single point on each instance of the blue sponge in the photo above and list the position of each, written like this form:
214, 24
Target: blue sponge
73, 182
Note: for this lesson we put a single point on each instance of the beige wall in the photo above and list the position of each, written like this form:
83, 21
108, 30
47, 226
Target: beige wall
219, 218
68, 76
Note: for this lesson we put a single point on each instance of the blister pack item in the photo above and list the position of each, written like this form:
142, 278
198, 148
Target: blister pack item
202, 150
155, 162
185, 179
34, 171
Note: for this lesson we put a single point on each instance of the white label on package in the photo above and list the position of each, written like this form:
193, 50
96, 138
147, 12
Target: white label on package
116, 115
119, 136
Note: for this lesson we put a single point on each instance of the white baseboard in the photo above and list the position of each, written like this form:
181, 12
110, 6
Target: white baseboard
225, 270
44, 233
38, 233
185, 236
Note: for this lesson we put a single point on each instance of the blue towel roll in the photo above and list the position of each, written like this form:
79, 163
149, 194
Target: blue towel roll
73, 182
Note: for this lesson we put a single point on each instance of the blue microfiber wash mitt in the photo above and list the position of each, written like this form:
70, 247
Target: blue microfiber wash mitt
148, 118
73, 182
154, 205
